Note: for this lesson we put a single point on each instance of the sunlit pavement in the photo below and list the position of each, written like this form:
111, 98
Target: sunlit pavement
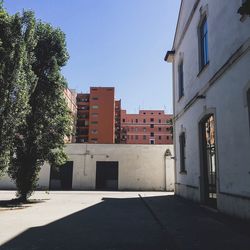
116, 220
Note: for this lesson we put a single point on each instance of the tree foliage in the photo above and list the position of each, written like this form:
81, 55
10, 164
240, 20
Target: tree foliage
34, 117
16, 76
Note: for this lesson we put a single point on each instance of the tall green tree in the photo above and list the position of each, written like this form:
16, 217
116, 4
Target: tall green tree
17, 43
48, 121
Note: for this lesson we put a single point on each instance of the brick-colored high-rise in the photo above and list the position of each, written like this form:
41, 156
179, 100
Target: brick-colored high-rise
82, 126
147, 127
118, 121
102, 115
100, 119
96, 116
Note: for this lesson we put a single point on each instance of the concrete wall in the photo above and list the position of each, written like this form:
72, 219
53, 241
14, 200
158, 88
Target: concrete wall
43, 183
141, 167
223, 83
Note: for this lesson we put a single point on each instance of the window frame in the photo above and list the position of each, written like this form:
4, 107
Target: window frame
180, 79
248, 104
203, 43
182, 148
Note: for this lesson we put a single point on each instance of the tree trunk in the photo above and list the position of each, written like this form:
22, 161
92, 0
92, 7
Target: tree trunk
27, 178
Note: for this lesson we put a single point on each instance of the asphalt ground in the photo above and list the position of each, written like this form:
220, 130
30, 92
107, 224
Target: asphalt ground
116, 220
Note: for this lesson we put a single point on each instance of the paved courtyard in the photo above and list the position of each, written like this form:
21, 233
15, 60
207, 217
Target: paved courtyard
116, 220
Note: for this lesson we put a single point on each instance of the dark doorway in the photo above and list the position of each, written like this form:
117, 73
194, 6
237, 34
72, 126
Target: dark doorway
208, 163
107, 175
61, 176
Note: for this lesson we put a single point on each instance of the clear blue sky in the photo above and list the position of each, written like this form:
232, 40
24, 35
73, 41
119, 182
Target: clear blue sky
120, 43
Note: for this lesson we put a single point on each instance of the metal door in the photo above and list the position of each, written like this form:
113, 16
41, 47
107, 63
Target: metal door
107, 175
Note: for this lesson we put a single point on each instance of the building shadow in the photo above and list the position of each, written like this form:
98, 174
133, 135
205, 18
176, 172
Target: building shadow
151, 223
110, 225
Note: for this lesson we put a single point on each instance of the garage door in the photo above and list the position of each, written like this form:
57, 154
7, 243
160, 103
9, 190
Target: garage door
107, 175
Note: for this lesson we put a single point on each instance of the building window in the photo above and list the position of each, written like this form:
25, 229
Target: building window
144, 120
180, 80
136, 129
94, 131
151, 125
144, 129
94, 122
159, 121
203, 43
159, 137
151, 119
94, 114
144, 137
152, 142
136, 137
136, 120
248, 104
182, 142
123, 120
95, 107
95, 98
152, 134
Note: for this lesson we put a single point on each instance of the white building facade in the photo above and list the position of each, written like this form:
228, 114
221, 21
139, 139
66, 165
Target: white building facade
109, 167
211, 88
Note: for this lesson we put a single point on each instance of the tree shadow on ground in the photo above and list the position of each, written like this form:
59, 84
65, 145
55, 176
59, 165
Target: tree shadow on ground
17, 204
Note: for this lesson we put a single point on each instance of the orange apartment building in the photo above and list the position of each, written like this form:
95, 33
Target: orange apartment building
147, 127
96, 116
100, 119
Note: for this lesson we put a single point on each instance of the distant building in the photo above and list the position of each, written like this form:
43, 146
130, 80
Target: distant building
147, 127
96, 116
82, 126
118, 121
211, 83
70, 97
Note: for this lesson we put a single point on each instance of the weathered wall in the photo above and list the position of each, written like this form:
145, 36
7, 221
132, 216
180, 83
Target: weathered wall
141, 167
224, 94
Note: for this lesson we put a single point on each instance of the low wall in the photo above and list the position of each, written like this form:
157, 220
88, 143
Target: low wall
140, 167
